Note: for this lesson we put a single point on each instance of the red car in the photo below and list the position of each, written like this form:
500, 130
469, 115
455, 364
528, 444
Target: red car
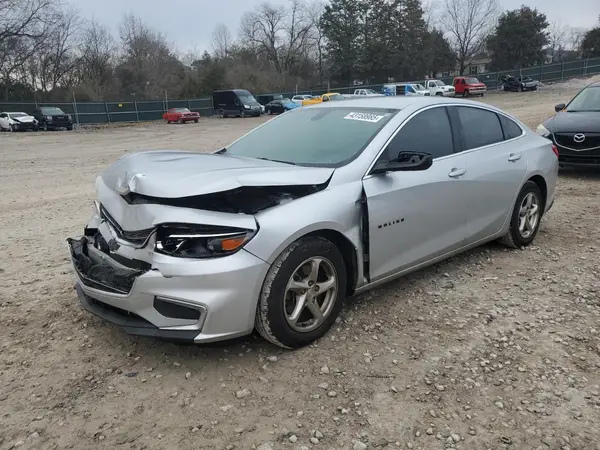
466, 86
180, 115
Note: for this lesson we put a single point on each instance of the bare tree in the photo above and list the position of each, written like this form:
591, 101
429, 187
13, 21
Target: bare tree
97, 49
317, 36
558, 40
54, 63
575, 38
221, 41
262, 31
469, 23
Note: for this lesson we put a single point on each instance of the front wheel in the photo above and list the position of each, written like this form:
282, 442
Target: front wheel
195, 120
302, 294
466, 93
526, 217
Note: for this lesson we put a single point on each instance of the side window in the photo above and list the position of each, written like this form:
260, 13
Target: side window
511, 129
411, 89
480, 127
3, 116
437, 141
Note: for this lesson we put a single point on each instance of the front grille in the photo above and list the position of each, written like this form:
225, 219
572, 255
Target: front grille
135, 237
567, 140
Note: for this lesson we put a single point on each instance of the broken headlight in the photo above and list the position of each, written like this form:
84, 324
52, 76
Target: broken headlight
200, 241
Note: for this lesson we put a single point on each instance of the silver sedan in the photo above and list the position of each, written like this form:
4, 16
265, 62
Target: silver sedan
275, 231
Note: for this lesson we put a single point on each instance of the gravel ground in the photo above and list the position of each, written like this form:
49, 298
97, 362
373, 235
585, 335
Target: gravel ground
494, 349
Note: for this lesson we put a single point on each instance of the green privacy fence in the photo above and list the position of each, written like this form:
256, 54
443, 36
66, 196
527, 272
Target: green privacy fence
546, 73
115, 112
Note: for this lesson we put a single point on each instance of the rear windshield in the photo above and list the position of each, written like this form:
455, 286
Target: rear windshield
16, 115
53, 111
320, 137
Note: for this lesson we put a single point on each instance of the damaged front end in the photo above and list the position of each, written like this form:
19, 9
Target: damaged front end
98, 270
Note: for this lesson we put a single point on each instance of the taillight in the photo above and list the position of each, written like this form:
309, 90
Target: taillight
555, 150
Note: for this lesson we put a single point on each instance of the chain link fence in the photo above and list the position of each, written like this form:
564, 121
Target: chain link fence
140, 111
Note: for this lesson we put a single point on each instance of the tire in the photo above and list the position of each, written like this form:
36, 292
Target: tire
195, 120
221, 114
438, 94
45, 126
167, 121
273, 321
10, 127
180, 121
466, 93
70, 128
516, 238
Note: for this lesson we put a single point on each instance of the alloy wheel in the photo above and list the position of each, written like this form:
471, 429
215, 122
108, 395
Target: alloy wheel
310, 294
529, 215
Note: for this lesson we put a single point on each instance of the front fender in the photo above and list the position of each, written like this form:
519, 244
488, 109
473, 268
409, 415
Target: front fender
336, 208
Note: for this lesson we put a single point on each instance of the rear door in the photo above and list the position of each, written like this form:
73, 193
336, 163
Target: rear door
415, 216
496, 167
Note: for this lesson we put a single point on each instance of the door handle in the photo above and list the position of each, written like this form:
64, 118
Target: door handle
514, 157
455, 173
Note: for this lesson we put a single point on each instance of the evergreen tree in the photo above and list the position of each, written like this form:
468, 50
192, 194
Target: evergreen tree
519, 39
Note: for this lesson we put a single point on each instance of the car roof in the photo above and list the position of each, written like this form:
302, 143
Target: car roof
13, 112
401, 102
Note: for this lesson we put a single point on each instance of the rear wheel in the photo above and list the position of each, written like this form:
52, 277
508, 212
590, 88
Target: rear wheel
526, 217
302, 294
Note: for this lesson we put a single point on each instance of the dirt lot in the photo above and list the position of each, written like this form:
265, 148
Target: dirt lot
495, 349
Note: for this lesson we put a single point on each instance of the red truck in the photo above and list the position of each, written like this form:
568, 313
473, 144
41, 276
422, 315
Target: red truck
466, 86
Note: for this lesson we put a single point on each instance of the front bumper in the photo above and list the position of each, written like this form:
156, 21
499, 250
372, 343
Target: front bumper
22, 126
198, 301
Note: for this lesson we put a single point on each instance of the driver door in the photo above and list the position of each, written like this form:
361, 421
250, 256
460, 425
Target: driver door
415, 216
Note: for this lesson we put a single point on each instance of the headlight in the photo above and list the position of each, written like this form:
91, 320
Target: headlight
246, 106
69, 116
543, 131
200, 241
49, 118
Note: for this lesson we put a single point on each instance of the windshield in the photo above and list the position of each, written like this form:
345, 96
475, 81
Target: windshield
587, 100
181, 110
285, 101
16, 115
471, 80
336, 97
53, 111
370, 91
419, 87
439, 83
320, 137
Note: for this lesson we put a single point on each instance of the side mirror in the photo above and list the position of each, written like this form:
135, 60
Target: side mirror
406, 161
559, 107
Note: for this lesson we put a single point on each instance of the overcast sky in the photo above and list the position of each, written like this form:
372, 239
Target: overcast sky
189, 23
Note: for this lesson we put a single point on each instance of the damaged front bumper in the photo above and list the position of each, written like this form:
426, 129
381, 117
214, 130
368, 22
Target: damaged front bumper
171, 298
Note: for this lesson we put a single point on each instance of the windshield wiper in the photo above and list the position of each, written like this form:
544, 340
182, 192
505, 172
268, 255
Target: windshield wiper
220, 152
279, 161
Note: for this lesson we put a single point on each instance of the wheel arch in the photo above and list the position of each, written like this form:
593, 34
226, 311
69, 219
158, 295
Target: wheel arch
541, 184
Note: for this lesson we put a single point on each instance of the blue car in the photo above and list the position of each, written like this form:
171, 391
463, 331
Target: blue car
280, 106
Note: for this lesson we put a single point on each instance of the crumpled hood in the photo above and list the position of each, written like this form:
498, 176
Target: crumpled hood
24, 119
574, 122
176, 174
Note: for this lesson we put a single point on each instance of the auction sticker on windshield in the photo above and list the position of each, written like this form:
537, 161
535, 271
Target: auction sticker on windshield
364, 117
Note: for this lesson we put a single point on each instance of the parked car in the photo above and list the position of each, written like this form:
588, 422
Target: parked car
235, 102
363, 93
300, 98
439, 88
330, 96
264, 99
409, 89
280, 106
575, 128
52, 118
510, 83
17, 121
274, 231
181, 115
467, 86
